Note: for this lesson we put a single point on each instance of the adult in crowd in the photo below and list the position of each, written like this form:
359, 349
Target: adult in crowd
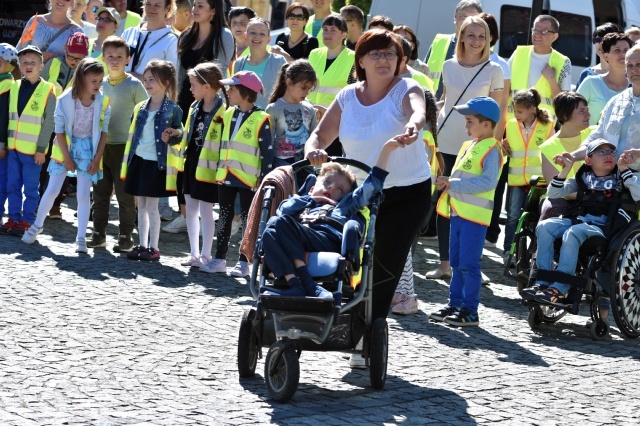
238, 19
540, 65
633, 33
333, 64
602, 66
296, 44
129, 19
598, 89
260, 60
90, 14
183, 17
75, 13
151, 39
443, 46
321, 9
412, 61
467, 75
381, 22
355, 117
49, 32
354, 17
106, 25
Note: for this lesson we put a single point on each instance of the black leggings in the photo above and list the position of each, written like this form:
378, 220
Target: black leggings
226, 200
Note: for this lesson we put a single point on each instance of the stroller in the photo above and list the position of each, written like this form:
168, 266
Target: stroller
288, 325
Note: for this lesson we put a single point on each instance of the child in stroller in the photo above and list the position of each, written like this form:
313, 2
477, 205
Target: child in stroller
314, 222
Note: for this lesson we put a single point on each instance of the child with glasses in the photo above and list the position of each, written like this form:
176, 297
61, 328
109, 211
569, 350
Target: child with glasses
595, 185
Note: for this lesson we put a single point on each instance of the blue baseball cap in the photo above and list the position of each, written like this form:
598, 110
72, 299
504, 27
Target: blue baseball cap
483, 105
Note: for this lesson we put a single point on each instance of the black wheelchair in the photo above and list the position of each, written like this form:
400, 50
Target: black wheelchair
288, 325
606, 268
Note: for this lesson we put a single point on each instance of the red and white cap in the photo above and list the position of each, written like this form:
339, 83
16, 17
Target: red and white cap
248, 79
78, 44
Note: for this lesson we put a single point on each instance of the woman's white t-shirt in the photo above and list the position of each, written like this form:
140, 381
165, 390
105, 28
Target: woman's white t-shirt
159, 44
365, 129
455, 78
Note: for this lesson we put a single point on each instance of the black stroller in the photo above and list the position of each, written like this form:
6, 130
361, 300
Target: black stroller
288, 325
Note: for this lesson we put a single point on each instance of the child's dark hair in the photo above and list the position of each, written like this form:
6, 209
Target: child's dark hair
565, 103
247, 94
165, 73
209, 73
381, 21
531, 98
115, 42
297, 71
481, 118
432, 114
237, 11
87, 66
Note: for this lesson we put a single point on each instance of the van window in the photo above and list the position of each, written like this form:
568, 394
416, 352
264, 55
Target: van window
574, 40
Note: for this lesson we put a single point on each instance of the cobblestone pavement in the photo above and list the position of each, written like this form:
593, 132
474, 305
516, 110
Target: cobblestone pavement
98, 339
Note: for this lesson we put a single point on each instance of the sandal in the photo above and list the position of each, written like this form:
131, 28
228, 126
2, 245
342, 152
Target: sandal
550, 296
438, 274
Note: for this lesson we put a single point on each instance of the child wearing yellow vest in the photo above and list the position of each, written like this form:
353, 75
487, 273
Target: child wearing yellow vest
529, 129
8, 61
468, 201
30, 123
201, 141
82, 118
246, 156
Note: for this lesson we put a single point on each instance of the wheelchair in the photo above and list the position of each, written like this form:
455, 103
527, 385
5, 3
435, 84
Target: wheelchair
288, 325
606, 268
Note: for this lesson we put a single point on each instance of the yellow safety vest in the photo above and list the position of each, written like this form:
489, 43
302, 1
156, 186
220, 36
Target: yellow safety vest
553, 146
56, 152
520, 77
430, 145
133, 19
309, 30
525, 156
334, 79
241, 156
54, 73
99, 58
23, 130
210, 154
476, 208
5, 85
174, 155
439, 49
425, 82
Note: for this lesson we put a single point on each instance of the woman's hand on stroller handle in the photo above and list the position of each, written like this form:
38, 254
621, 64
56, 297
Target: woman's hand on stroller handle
317, 157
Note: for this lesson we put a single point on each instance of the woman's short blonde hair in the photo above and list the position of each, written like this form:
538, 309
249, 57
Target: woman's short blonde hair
460, 45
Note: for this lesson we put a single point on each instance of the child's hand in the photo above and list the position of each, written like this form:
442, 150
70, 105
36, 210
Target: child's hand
506, 148
39, 158
393, 144
561, 158
169, 133
442, 182
630, 156
409, 136
94, 166
69, 164
3, 153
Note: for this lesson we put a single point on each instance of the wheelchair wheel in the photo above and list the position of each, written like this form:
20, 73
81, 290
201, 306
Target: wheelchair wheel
625, 290
599, 329
523, 254
378, 352
551, 315
283, 383
247, 346
535, 317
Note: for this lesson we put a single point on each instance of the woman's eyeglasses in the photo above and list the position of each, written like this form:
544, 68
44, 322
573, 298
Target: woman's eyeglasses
105, 20
387, 54
296, 17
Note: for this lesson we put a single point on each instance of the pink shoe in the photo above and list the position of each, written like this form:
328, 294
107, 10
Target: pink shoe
407, 306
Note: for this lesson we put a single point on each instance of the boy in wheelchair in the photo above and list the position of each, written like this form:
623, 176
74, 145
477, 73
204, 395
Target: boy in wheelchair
597, 185
314, 222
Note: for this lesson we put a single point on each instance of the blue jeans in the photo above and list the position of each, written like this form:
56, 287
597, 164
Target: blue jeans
517, 197
23, 173
465, 251
4, 165
573, 236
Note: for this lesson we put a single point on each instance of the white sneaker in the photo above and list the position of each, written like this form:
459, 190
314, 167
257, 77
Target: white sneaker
485, 279
177, 225
357, 361
215, 266
81, 246
235, 227
242, 269
166, 212
32, 233
192, 261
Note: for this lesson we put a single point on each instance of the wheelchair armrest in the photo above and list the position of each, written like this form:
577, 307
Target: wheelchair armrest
351, 235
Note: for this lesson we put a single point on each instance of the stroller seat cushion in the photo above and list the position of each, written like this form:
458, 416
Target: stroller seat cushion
323, 264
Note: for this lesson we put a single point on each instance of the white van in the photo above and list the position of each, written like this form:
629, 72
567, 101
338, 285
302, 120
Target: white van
578, 19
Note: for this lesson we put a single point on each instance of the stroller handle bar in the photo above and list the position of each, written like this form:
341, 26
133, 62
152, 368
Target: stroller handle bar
340, 160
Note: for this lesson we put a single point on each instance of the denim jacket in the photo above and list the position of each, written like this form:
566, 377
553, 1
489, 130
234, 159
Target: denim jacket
169, 116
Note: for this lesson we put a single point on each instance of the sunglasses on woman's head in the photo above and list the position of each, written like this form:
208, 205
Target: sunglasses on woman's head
94, 9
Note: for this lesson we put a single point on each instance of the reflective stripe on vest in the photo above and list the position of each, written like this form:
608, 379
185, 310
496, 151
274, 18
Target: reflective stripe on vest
520, 77
554, 146
210, 154
56, 152
334, 79
23, 130
525, 156
439, 49
132, 130
54, 73
241, 156
476, 208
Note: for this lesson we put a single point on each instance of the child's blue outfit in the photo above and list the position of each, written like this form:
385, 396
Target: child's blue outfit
286, 237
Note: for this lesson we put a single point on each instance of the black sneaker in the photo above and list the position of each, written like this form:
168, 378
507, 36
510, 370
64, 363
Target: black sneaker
134, 254
150, 255
97, 240
464, 318
443, 313
125, 244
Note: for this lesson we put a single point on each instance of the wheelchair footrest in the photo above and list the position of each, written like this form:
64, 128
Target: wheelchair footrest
561, 277
312, 305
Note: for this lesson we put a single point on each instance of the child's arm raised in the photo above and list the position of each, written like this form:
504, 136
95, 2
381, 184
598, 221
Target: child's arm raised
559, 187
389, 146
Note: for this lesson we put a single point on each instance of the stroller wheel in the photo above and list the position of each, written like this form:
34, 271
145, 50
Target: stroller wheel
535, 317
378, 352
247, 347
599, 329
282, 371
